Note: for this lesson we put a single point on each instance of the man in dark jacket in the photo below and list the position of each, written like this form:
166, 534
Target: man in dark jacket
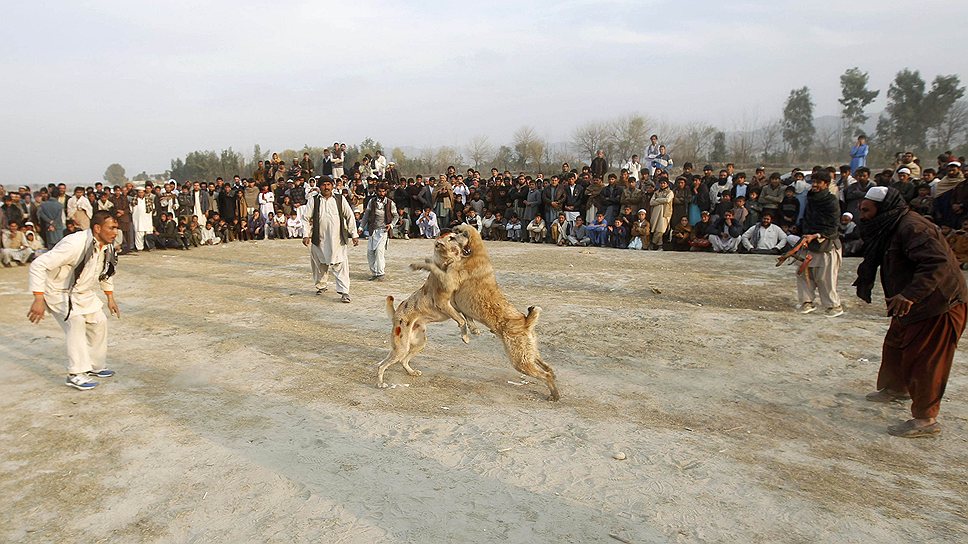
820, 232
599, 165
925, 293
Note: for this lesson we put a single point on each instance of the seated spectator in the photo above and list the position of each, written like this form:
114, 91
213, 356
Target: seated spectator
725, 234
764, 238
701, 232
513, 229
596, 230
487, 223
207, 236
294, 226
640, 231
579, 234
618, 234
473, 219
958, 240
850, 236
401, 230
560, 230
537, 229
498, 230
14, 245
194, 232
428, 224
740, 213
682, 235
257, 226
33, 241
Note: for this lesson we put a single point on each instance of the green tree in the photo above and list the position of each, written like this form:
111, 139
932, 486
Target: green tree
114, 175
945, 91
798, 129
718, 153
902, 126
854, 98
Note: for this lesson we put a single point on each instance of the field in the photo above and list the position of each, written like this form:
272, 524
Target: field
245, 410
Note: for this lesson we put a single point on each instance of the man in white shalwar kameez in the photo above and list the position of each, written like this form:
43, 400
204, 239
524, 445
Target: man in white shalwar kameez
329, 224
141, 217
378, 220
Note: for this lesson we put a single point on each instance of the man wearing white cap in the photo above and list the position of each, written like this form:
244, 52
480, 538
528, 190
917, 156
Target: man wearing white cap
820, 220
926, 297
904, 185
850, 235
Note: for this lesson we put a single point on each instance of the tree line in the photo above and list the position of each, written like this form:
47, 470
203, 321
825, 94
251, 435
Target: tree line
917, 118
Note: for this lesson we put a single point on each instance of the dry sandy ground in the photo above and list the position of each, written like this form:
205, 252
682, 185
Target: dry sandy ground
245, 410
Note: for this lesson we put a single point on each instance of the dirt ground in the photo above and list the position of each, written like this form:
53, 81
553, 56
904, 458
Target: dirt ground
245, 410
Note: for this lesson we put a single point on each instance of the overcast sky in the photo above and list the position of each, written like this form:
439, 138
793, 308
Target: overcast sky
91, 83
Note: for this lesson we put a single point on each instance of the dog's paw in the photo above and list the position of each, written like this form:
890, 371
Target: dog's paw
415, 373
465, 338
414, 266
384, 385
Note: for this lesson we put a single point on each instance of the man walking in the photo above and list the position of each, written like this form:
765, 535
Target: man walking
64, 282
329, 221
378, 219
925, 293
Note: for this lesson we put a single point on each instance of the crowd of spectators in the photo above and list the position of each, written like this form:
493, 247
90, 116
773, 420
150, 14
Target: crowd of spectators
640, 206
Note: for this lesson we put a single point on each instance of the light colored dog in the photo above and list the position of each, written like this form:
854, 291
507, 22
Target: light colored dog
429, 304
479, 298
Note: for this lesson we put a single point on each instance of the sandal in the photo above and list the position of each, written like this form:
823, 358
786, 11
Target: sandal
909, 429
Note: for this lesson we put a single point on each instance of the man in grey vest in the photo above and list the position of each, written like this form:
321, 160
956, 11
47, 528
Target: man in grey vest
64, 282
329, 225
378, 220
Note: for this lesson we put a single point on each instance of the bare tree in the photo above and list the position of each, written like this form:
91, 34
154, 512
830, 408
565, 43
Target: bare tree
529, 147
589, 138
771, 138
630, 135
953, 125
694, 142
827, 142
481, 151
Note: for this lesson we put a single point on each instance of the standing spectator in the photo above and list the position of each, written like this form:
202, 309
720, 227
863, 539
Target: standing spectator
661, 213
599, 166
858, 154
306, 166
51, 218
79, 209
331, 225
652, 153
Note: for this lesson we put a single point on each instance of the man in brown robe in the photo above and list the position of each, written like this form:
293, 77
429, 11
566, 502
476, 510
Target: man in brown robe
926, 298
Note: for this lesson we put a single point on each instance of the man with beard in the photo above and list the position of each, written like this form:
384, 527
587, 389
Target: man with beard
820, 221
925, 294
951, 197
329, 225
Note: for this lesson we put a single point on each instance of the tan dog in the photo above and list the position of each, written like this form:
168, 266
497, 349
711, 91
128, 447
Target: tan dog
479, 298
429, 304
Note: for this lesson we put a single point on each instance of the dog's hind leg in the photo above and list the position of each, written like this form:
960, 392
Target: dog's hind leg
525, 359
400, 346
417, 343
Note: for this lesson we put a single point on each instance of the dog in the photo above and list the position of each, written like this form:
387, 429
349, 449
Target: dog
479, 298
429, 304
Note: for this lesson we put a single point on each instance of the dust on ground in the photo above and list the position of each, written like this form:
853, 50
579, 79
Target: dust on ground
245, 409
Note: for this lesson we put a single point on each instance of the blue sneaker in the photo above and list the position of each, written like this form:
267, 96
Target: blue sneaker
103, 373
80, 381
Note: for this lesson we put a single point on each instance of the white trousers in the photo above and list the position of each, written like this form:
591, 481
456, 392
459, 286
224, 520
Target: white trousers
341, 271
376, 251
139, 240
822, 279
87, 341
729, 245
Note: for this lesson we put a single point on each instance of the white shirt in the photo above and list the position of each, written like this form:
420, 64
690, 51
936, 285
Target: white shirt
53, 272
329, 231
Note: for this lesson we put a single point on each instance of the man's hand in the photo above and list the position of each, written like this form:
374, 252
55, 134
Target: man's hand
113, 306
899, 306
306, 241
37, 309
807, 238
356, 242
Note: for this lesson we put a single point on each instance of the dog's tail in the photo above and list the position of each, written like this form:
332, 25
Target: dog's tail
390, 309
532, 317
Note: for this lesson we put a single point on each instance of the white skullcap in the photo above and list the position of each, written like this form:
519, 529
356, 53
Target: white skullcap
877, 194
641, 211
848, 215
904, 171
954, 163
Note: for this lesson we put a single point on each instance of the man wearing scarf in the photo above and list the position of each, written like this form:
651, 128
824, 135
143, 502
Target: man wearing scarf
925, 294
820, 221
